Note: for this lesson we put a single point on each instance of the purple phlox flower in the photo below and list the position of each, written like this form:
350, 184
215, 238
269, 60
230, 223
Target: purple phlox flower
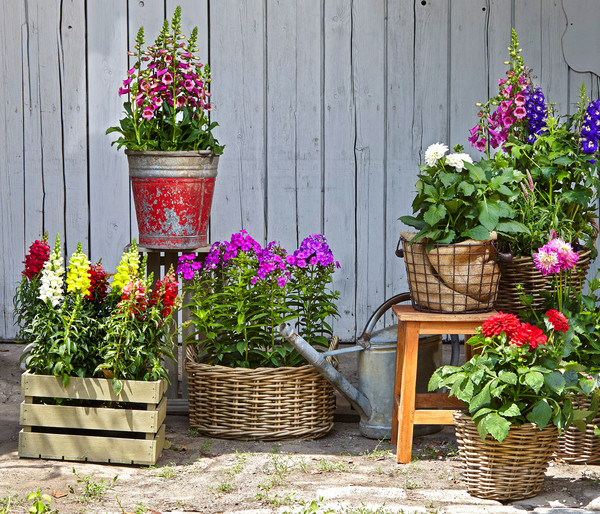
187, 265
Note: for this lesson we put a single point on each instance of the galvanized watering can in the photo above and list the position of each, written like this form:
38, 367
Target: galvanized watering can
374, 397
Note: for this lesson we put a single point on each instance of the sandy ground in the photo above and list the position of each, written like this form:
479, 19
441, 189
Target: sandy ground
341, 472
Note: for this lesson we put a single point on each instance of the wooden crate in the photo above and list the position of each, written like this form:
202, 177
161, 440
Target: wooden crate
131, 435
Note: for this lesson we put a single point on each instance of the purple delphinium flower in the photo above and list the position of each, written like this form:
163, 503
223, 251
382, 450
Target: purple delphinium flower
536, 112
590, 128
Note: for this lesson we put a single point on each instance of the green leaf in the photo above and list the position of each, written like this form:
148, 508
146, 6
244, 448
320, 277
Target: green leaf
540, 414
534, 379
496, 426
555, 381
476, 173
466, 188
510, 410
512, 227
487, 217
434, 214
508, 377
481, 399
478, 233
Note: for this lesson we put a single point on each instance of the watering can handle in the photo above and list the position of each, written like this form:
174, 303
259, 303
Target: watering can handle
381, 310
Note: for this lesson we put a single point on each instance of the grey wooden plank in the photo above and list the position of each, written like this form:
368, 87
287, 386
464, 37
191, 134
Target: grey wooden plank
431, 80
14, 246
35, 205
309, 118
468, 68
109, 181
402, 156
149, 14
528, 25
281, 94
45, 21
340, 164
194, 14
74, 120
238, 66
498, 38
554, 72
368, 68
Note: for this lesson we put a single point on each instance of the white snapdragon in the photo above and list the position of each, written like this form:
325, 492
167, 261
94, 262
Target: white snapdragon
51, 284
434, 153
457, 160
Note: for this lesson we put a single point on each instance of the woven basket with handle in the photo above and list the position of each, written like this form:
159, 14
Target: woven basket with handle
258, 404
575, 446
511, 470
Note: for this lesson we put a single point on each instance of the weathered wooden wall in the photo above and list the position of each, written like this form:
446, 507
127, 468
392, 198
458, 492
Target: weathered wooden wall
326, 107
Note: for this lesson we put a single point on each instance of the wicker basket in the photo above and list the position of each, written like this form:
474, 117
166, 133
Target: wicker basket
523, 272
460, 277
575, 446
511, 470
258, 404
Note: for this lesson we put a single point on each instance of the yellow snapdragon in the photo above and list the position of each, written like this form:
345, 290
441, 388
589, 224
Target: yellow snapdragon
78, 278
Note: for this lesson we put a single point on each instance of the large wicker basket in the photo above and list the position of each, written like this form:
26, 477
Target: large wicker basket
511, 470
523, 272
575, 446
258, 404
461, 277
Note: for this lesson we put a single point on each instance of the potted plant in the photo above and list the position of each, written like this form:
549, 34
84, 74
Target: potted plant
244, 380
166, 129
517, 390
461, 207
580, 443
93, 357
556, 158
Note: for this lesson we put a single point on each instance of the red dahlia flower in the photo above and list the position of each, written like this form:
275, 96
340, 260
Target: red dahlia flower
39, 253
558, 319
530, 334
501, 322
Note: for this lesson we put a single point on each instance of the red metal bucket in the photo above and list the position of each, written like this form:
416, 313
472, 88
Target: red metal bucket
172, 192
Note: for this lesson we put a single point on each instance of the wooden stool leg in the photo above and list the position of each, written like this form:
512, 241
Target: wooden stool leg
406, 411
397, 382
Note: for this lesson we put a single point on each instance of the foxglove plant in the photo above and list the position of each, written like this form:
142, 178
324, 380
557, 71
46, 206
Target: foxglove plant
241, 292
169, 94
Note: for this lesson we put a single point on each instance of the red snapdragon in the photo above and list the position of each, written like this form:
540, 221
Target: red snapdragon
39, 253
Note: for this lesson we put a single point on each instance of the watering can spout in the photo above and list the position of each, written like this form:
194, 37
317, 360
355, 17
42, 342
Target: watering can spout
358, 400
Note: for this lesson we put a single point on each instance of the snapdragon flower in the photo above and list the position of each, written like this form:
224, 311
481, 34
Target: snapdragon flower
78, 278
39, 253
51, 287
127, 269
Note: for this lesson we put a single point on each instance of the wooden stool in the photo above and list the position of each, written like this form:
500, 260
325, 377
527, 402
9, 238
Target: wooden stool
411, 408
158, 263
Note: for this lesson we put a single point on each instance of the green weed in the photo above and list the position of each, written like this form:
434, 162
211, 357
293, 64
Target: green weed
92, 489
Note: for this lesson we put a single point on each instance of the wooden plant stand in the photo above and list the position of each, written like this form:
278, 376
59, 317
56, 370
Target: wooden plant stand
134, 433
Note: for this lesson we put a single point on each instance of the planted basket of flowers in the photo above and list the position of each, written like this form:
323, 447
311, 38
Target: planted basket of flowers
168, 135
460, 207
556, 161
244, 380
517, 389
95, 384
